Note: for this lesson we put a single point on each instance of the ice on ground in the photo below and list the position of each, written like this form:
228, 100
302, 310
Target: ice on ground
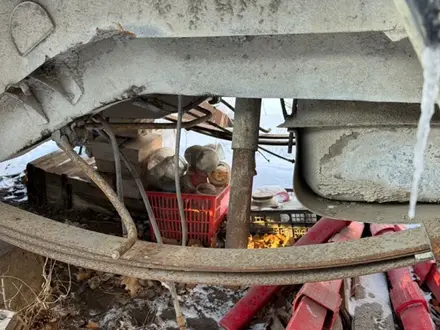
208, 303
7, 182
431, 75
376, 291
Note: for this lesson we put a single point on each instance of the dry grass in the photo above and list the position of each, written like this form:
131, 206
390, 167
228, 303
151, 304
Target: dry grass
37, 312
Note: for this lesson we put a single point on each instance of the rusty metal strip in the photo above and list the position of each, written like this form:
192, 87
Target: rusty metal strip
432, 228
42, 235
107, 264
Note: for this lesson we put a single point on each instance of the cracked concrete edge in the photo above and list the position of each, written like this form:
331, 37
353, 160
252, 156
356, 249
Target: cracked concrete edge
367, 164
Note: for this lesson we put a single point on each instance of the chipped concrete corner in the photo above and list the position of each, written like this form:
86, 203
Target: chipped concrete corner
368, 164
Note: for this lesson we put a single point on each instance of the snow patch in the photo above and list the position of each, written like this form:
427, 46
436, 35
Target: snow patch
376, 291
258, 326
17, 165
202, 302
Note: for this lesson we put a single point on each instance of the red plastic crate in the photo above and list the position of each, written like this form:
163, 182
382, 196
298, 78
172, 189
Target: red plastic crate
203, 214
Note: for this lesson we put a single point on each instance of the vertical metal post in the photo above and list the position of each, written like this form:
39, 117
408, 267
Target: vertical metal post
244, 145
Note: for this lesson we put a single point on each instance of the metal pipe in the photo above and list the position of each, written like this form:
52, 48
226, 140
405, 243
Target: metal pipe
276, 155
115, 148
177, 174
244, 145
142, 192
63, 142
172, 286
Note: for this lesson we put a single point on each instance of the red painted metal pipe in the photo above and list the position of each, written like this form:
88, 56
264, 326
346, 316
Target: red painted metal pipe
429, 274
406, 296
317, 305
258, 296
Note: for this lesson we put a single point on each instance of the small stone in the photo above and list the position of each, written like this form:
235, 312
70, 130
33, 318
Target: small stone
194, 243
150, 294
146, 283
106, 276
94, 282
232, 287
190, 286
180, 286
93, 312
170, 241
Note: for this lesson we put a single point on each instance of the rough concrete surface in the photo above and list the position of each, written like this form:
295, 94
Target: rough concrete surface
368, 164
78, 22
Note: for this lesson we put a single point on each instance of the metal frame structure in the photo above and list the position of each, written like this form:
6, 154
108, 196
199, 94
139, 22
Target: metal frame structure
53, 73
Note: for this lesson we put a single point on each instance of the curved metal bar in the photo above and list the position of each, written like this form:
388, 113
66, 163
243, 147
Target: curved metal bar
89, 249
126, 243
221, 278
39, 234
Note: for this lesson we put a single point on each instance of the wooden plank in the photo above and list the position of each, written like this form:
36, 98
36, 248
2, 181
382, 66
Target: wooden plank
218, 117
131, 133
103, 150
68, 168
40, 160
135, 150
36, 185
78, 194
109, 167
49, 161
60, 183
